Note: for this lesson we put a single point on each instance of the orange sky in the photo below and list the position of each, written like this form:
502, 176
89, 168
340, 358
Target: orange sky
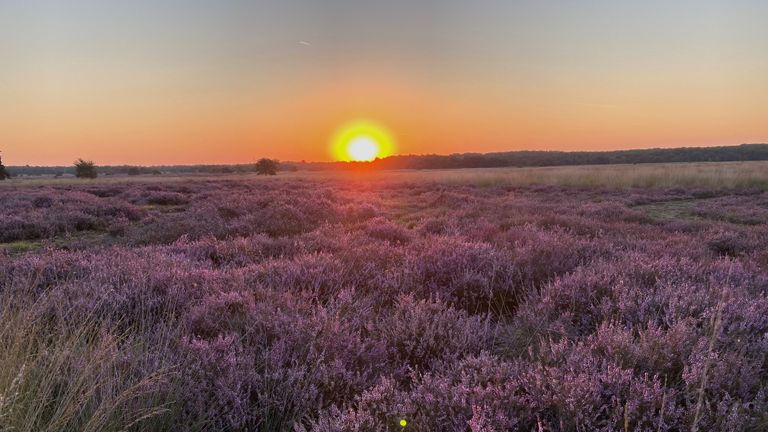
205, 86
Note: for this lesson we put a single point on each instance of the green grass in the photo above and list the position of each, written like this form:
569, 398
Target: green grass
20, 247
681, 209
91, 238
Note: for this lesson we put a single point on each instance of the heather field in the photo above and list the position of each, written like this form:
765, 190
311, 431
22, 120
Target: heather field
560, 299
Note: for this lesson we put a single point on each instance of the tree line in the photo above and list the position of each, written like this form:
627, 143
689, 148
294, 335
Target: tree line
88, 169
744, 152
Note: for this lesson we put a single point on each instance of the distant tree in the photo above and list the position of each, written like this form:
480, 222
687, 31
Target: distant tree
134, 171
85, 169
266, 167
4, 174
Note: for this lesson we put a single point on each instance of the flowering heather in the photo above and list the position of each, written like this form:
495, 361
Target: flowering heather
352, 304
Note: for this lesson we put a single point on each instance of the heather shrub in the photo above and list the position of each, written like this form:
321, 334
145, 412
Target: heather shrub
477, 393
32, 275
325, 305
473, 276
747, 209
282, 214
118, 227
382, 229
576, 224
657, 318
635, 289
376, 269
167, 229
214, 387
650, 349
43, 201
282, 363
167, 198
222, 314
574, 389
104, 191
359, 212
129, 289
729, 244
14, 228
433, 226
229, 212
420, 334
613, 211
51, 213
238, 252
320, 274
540, 255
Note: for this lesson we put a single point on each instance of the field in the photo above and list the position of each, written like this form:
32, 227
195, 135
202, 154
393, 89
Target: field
615, 298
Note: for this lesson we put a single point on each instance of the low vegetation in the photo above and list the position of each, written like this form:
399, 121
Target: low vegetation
512, 159
4, 174
348, 303
85, 169
744, 152
266, 167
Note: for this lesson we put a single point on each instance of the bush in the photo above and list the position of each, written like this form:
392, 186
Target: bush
266, 167
474, 276
4, 174
85, 169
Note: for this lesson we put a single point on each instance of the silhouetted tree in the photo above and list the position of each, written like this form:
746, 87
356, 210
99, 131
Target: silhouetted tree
4, 174
85, 169
266, 167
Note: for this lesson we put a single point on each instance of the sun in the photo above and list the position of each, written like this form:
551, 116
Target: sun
363, 148
361, 141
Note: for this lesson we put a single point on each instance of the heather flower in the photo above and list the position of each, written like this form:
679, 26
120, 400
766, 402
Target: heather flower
328, 306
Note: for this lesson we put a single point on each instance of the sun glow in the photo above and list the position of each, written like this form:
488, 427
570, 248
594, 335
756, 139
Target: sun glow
363, 148
362, 140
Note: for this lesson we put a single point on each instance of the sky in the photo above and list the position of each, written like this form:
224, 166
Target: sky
204, 81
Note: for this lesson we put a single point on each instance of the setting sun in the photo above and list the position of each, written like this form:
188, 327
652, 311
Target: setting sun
361, 141
363, 148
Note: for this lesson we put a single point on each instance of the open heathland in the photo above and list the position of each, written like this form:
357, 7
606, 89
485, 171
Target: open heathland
558, 299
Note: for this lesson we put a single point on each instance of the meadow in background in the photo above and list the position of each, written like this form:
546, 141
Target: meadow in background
548, 299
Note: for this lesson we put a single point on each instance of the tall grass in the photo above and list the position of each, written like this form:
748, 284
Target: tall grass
716, 175
70, 376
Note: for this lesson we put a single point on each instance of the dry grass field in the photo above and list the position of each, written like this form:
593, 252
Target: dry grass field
705, 175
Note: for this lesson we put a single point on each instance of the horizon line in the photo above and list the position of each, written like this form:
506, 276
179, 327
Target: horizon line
413, 155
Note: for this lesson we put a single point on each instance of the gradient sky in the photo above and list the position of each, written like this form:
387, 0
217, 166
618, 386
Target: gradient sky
193, 81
